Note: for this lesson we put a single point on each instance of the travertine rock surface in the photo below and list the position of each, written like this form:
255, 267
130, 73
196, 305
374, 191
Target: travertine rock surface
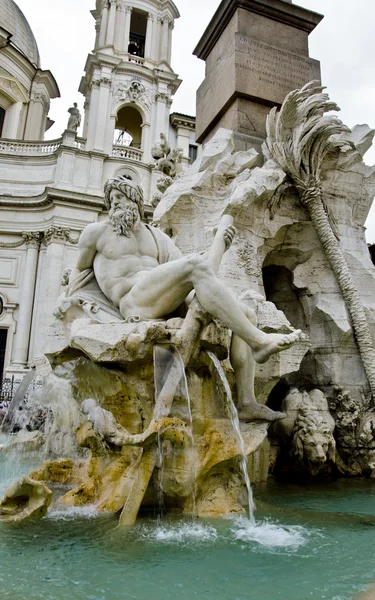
25, 499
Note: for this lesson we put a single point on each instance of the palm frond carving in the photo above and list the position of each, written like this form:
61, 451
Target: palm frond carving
299, 137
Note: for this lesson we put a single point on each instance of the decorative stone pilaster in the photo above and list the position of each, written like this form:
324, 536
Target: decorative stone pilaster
120, 26
170, 30
104, 23
22, 338
97, 32
165, 39
128, 16
146, 146
149, 36
110, 39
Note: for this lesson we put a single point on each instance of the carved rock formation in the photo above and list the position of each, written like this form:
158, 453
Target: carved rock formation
25, 499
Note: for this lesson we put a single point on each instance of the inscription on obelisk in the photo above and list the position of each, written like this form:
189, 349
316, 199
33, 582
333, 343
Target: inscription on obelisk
256, 52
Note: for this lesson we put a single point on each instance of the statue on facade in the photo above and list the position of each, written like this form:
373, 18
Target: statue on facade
140, 274
75, 118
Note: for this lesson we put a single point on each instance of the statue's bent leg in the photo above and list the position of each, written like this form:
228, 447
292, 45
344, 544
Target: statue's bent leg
243, 363
165, 287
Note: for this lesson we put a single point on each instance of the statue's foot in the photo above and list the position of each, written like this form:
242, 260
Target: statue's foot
259, 412
273, 343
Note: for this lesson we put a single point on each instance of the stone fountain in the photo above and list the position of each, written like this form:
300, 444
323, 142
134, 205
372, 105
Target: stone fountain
256, 263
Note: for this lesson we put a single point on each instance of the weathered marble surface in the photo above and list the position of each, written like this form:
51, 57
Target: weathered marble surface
280, 239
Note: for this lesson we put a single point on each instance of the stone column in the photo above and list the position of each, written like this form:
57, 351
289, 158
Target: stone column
170, 31
120, 26
36, 117
145, 147
110, 40
149, 36
161, 113
12, 121
22, 337
156, 40
55, 239
104, 23
93, 115
165, 40
102, 114
97, 33
128, 16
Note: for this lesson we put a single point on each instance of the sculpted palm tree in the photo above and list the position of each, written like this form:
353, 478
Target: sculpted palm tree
299, 137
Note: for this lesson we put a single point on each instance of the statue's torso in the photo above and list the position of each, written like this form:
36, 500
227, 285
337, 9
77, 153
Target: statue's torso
121, 262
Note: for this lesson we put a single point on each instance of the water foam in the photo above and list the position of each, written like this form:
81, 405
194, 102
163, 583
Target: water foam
65, 513
180, 533
270, 535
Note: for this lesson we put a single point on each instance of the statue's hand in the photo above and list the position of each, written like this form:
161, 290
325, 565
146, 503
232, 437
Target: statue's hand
229, 234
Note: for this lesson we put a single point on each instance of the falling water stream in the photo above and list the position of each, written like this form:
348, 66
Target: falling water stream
164, 357
233, 415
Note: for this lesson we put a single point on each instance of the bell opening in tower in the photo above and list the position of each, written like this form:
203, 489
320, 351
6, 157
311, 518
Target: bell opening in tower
128, 128
137, 37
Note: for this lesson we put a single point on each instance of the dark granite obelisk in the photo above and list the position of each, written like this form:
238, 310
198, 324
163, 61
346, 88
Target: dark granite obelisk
256, 52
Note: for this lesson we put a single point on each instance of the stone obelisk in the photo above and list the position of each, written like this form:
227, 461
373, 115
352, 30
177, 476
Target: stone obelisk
256, 52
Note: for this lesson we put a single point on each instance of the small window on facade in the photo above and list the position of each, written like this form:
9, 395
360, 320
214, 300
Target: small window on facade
2, 118
137, 38
193, 151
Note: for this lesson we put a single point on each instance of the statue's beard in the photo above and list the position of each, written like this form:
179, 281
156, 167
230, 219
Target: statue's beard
124, 219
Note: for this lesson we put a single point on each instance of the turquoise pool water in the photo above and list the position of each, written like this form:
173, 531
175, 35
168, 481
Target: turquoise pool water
309, 543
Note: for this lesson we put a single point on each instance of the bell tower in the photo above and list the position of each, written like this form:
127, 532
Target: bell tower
129, 82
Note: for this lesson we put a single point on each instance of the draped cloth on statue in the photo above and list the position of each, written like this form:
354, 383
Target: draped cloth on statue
84, 292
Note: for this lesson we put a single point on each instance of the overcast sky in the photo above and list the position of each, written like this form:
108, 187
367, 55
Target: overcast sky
344, 42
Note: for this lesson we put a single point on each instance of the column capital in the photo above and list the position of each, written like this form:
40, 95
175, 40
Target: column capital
105, 4
32, 238
42, 98
59, 235
151, 17
128, 8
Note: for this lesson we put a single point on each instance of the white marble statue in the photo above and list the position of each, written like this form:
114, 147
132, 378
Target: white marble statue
75, 118
143, 275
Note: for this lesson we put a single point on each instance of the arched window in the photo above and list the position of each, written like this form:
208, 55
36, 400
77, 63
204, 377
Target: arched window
2, 118
128, 129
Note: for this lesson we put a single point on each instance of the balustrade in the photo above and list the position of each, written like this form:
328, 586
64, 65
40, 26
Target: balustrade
120, 151
29, 148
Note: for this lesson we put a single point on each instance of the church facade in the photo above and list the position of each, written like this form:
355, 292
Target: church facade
50, 190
